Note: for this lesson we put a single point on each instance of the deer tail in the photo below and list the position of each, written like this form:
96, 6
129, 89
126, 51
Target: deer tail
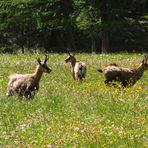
100, 70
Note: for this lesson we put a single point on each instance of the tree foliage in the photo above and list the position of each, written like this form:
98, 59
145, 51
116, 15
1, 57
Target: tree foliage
54, 25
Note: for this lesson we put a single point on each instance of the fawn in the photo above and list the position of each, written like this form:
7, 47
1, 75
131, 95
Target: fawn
124, 75
78, 67
27, 84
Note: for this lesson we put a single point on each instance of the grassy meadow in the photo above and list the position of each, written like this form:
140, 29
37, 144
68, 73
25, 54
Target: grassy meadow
68, 113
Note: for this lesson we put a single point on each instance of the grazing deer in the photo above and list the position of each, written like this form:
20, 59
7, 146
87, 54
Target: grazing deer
27, 84
124, 75
78, 67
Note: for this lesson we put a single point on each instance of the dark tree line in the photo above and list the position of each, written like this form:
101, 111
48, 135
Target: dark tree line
80, 25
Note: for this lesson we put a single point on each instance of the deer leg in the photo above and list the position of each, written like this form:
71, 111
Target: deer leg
10, 92
107, 81
29, 94
10, 89
80, 79
125, 83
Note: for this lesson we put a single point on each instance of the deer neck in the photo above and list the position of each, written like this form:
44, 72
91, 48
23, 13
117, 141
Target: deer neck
73, 62
37, 75
139, 72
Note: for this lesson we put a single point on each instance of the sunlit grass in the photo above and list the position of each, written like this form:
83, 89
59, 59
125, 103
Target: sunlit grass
67, 113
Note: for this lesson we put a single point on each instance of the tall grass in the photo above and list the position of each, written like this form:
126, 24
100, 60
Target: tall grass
67, 113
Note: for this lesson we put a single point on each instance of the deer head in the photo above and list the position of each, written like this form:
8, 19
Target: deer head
43, 65
145, 62
71, 58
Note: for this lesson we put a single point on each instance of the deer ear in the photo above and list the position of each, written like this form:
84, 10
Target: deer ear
71, 54
39, 61
46, 58
146, 59
143, 61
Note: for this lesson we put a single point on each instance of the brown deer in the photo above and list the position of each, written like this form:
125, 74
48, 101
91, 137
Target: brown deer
27, 84
78, 67
124, 75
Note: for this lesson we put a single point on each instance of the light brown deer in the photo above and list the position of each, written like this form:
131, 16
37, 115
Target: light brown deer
124, 75
27, 84
78, 67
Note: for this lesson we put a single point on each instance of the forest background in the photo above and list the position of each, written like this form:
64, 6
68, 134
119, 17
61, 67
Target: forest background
100, 26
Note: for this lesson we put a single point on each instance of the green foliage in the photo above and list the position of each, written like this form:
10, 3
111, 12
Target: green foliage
67, 113
86, 18
50, 23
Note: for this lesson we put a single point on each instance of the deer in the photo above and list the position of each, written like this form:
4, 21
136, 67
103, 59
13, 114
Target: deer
126, 76
27, 84
78, 67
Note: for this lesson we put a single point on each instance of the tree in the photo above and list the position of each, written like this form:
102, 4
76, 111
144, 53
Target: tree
79, 25
104, 11
88, 20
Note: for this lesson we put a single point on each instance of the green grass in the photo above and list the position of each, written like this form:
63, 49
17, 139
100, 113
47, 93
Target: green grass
67, 113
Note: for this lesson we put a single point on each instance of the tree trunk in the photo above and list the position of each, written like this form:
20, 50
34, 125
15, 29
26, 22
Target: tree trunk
104, 20
67, 7
93, 43
23, 40
70, 37
23, 50
105, 42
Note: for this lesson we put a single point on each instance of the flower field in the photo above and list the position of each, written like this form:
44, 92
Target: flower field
68, 113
